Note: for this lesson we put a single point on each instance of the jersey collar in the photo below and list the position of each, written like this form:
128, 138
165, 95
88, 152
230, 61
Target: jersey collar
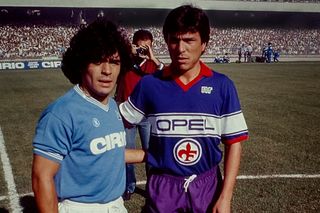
205, 71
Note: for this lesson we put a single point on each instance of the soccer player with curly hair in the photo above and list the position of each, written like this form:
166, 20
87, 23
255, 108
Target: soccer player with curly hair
79, 143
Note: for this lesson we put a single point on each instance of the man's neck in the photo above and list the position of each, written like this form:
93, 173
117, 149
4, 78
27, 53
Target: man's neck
189, 75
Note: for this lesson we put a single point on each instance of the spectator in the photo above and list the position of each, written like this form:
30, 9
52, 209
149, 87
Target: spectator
144, 63
36, 41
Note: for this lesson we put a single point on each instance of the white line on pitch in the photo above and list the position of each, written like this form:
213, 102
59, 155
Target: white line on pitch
141, 182
240, 177
13, 195
248, 177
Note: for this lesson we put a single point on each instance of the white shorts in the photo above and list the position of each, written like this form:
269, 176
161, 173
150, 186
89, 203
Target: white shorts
68, 206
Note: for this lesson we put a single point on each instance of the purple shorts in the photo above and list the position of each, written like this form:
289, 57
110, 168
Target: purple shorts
168, 193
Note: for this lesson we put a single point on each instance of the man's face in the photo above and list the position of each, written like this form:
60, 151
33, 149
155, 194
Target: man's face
100, 78
185, 50
142, 48
144, 43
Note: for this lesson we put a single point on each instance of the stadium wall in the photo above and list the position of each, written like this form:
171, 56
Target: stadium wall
54, 63
30, 64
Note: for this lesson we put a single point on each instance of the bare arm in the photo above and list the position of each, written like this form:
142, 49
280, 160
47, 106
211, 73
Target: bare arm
135, 155
43, 172
231, 169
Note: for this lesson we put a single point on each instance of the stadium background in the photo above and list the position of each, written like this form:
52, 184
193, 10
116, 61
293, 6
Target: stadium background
293, 27
280, 169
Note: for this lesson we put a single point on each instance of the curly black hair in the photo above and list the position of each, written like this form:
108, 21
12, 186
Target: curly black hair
93, 44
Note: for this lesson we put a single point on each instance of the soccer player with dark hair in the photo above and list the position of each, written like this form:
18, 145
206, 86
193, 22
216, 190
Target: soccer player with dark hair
79, 143
192, 109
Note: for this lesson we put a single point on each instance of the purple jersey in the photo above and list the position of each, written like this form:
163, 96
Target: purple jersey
188, 121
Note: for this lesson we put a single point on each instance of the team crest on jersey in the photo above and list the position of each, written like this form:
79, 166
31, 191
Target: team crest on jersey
187, 152
206, 90
95, 122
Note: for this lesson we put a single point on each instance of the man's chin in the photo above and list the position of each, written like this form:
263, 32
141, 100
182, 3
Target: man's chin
183, 68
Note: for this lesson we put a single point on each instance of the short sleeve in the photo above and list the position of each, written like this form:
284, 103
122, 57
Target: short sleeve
233, 125
52, 138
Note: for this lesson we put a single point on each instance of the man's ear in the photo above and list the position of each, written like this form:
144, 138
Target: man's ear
203, 47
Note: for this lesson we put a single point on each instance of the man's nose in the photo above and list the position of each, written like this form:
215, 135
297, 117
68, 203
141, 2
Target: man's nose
181, 46
106, 68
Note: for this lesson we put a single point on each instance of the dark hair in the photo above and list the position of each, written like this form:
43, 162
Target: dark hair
142, 35
93, 44
187, 18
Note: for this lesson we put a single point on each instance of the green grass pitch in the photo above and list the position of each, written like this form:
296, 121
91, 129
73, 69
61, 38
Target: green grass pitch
281, 104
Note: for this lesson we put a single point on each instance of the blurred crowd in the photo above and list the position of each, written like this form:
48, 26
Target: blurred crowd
36, 41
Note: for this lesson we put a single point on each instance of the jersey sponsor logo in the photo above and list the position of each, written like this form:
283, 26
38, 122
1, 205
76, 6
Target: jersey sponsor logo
206, 90
108, 142
185, 124
190, 124
187, 152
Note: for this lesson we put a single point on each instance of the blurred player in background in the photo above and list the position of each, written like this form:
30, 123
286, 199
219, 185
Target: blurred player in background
144, 63
269, 53
241, 52
249, 50
192, 109
79, 143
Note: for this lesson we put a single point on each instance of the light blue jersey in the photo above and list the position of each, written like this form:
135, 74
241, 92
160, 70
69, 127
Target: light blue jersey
87, 138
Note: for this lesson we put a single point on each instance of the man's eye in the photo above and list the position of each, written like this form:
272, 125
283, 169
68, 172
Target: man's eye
174, 40
116, 62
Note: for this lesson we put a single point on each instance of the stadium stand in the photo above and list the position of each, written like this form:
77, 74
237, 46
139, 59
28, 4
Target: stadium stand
33, 33
36, 41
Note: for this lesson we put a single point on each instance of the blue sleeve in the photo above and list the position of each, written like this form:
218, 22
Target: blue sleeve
233, 125
138, 97
231, 101
52, 138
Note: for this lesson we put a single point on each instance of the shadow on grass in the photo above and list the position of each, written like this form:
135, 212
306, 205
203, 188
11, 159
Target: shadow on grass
28, 204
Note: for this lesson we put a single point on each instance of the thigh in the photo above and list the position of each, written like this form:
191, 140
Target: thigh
165, 195
205, 191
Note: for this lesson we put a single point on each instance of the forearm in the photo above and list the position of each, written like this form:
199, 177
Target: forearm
45, 194
231, 169
156, 61
135, 155
43, 173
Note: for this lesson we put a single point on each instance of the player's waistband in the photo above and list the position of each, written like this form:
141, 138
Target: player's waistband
214, 171
92, 205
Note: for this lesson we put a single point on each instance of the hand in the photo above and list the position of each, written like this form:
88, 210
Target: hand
222, 206
142, 51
